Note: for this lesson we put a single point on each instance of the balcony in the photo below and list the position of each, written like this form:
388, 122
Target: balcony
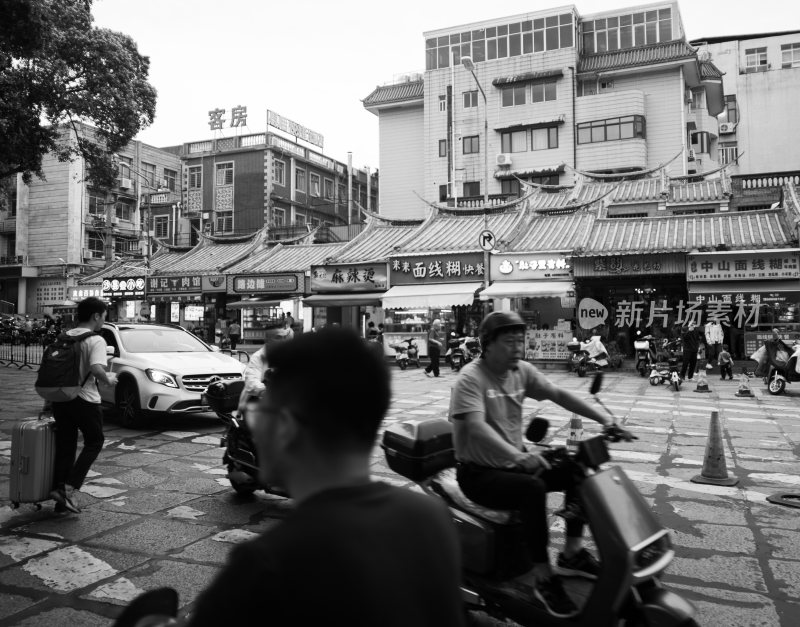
476, 202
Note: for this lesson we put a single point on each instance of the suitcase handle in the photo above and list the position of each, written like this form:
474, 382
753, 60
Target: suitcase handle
24, 464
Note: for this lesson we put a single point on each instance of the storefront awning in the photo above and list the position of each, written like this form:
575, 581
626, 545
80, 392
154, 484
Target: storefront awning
254, 302
527, 289
733, 291
431, 296
360, 299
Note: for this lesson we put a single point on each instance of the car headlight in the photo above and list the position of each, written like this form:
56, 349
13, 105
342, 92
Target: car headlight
161, 377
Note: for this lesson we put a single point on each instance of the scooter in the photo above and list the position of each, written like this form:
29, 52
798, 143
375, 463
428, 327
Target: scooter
461, 350
587, 356
406, 352
634, 548
646, 352
667, 371
240, 457
781, 372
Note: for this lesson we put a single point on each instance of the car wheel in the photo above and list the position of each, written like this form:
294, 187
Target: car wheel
776, 386
130, 411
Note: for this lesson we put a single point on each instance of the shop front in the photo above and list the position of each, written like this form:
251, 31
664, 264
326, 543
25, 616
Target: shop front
170, 296
430, 287
621, 297
540, 287
127, 295
265, 299
348, 294
749, 292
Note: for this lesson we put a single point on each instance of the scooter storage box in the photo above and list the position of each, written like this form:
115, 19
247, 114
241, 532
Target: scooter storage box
641, 345
417, 449
223, 396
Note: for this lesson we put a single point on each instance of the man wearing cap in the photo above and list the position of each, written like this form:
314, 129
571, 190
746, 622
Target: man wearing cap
494, 467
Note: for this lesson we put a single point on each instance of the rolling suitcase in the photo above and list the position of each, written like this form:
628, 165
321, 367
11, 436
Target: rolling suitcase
33, 451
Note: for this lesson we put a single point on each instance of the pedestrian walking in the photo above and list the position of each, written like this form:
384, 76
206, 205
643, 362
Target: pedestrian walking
234, 333
725, 363
83, 413
690, 339
435, 337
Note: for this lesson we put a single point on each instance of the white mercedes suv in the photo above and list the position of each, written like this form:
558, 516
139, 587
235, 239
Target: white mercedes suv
162, 368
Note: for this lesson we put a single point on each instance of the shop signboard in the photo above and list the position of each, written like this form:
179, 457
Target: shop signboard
441, 268
213, 283
754, 341
529, 267
267, 283
659, 314
758, 294
748, 266
591, 313
547, 344
77, 294
627, 265
349, 277
127, 287
174, 284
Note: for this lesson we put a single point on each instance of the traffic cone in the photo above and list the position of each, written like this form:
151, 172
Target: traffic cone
714, 471
702, 382
744, 387
575, 433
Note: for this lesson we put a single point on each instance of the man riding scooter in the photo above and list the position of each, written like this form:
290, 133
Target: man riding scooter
494, 468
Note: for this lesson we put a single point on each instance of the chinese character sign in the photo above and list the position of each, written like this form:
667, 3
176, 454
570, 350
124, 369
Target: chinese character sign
293, 128
125, 287
267, 283
767, 264
174, 284
444, 268
659, 314
518, 267
349, 277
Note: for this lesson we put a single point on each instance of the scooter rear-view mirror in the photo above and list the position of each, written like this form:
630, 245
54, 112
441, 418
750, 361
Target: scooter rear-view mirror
537, 429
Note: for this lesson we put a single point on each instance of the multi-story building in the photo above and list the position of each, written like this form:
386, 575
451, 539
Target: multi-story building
63, 228
235, 185
535, 96
759, 127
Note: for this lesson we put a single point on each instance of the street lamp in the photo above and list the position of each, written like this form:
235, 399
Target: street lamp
469, 65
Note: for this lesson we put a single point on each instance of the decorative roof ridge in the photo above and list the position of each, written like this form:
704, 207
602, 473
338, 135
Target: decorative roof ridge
660, 44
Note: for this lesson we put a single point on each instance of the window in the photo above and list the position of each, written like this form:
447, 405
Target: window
96, 203
299, 219
170, 179
161, 226
499, 42
626, 31
514, 141
122, 245
509, 187
342, 193
278, 216
755, 60
790, 55
728, 152
224, 174
315, 182
443, 192
124, 209
698, 100
543, 90
547, 179
442, 147
300, 180
329, 189
95, 244
471, 144
280, 172
513, 96
731, 110
195, 177
631, 126
587, 87
149, 174
470, 99
544, 138
442, 103
472, 188
124, 166
224, 222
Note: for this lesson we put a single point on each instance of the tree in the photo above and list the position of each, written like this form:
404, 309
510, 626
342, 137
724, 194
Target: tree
67, 88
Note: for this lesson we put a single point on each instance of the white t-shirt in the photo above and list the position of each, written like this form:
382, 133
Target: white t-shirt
93, 351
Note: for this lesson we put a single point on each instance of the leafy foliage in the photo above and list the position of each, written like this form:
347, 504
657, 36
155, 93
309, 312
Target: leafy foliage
67, 88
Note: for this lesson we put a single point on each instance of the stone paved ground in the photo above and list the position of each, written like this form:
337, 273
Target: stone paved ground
157, 509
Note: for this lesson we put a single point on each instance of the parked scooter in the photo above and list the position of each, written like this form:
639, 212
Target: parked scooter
588, 356
461, 350
646, 354
634, 548
406, 353
240, 457
781, 371
667, 368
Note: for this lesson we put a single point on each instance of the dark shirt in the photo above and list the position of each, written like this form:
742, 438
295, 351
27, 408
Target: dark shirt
691, 341
371, 555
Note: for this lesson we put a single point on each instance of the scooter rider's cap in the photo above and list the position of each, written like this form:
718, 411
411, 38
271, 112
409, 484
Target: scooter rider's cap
497, 321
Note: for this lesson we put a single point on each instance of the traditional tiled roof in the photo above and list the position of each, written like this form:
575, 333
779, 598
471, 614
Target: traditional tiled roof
675, 234
637, 191
526, 76
282, 258
397, 93
710, 190
709, 71
555, 233
125, 268
213, 255
460, 231
675, 50
377, 242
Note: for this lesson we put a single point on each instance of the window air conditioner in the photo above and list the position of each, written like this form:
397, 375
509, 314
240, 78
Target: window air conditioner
125, 183
727, 127
503, 159
87, 253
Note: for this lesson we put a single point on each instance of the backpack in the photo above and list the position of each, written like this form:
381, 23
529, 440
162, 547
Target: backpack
59, 373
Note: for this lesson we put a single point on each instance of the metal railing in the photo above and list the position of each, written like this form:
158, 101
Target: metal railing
21, 355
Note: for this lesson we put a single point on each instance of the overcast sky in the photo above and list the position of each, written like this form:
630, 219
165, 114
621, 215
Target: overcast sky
313, 61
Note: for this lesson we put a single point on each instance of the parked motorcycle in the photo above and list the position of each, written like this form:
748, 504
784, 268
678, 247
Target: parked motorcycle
634, 548
646, 354
780, 370
240, 457
588, 356
461, 350
667, 368
406, 352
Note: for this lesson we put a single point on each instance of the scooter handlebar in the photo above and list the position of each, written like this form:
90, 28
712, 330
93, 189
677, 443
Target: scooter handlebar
615, 433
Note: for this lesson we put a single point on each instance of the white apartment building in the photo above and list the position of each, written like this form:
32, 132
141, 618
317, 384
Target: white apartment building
538, 95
